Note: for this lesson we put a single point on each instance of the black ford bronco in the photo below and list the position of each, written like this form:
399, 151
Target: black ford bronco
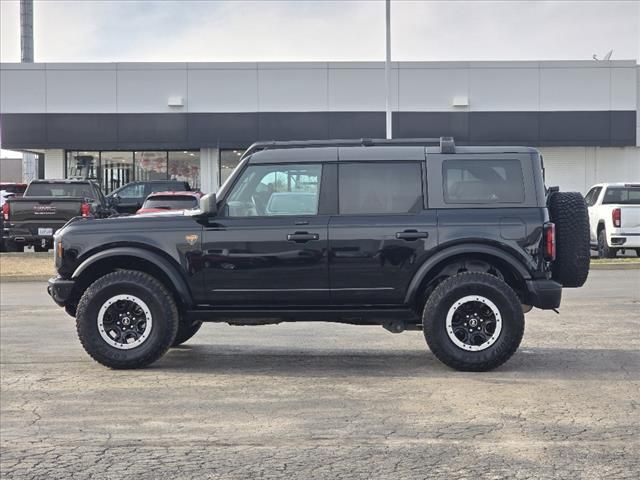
458, 242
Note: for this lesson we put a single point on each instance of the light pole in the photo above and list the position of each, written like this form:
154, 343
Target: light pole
29, 160
387, 68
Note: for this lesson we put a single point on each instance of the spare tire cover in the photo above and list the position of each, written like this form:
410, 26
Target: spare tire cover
568, 211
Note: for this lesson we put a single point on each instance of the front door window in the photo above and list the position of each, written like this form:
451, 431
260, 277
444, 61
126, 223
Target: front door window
276, 190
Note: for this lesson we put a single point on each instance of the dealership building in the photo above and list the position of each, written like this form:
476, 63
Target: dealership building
192, 121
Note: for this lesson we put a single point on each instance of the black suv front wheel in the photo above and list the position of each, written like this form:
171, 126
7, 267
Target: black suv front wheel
473, 322
126, 319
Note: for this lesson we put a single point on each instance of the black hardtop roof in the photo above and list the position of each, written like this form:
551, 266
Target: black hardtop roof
365, 149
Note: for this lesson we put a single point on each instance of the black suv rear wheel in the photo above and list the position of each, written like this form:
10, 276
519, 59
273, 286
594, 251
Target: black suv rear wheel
126, 319
473, 322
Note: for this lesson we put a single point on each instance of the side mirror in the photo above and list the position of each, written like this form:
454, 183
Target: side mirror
209, 204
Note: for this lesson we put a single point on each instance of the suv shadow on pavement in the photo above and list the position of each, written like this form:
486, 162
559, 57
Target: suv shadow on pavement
530, 363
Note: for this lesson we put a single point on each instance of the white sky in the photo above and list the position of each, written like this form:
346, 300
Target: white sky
169, 30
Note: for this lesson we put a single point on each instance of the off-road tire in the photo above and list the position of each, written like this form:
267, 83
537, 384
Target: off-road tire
161, 305
568, 211
604, 251
446, 295
185, 332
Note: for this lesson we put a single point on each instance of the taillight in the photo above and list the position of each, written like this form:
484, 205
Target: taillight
616, 217
5, 211
550, 241
85, 209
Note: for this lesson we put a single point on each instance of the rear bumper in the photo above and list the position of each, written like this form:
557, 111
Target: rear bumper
30, 239
625, 240
60, 289
27, 233
544, 294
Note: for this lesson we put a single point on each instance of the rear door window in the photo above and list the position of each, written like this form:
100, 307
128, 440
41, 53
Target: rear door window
379, 188
135, 190
482, 181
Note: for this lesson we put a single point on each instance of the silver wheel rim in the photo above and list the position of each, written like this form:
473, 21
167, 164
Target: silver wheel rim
124, 322
474, 323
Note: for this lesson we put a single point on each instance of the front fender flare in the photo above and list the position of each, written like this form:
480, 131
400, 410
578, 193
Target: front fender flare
456, 250
171, 271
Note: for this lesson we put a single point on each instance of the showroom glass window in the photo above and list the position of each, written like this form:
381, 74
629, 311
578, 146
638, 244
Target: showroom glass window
272, 190
150, 165
117, 169
113, 169
185, 166
83, 164
380, 187
229, 160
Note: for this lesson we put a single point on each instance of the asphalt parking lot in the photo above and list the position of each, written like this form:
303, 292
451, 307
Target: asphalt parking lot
326, 401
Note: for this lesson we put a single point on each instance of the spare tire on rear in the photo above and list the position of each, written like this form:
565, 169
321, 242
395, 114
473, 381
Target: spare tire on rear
568, 211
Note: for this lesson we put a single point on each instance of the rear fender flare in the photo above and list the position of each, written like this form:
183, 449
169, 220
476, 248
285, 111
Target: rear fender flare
456, 250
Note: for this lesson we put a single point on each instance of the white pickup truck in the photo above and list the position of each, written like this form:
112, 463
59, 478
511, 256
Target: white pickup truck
614, 217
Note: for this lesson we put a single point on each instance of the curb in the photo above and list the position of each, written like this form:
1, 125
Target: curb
615, 266
26, 255
25, 278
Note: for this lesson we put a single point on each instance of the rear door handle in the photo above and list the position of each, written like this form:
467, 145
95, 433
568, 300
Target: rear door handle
302, 237
411, 235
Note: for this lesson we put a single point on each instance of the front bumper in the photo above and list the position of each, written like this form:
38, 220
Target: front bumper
60, 289
544, 294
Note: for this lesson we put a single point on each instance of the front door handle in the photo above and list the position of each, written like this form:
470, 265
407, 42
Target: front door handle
411, 235
301, 237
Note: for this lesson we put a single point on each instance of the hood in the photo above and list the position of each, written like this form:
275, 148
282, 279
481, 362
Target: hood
160, 221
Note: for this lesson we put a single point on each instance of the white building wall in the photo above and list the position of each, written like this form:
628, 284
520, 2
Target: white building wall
578, 168
54, 163
317, 86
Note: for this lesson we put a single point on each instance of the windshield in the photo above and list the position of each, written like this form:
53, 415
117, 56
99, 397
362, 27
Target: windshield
83, 190
622, 196
171, 202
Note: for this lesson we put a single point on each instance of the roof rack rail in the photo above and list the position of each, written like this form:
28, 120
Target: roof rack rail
447, 144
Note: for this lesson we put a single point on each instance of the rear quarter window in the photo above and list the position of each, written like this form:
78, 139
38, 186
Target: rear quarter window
482, 181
